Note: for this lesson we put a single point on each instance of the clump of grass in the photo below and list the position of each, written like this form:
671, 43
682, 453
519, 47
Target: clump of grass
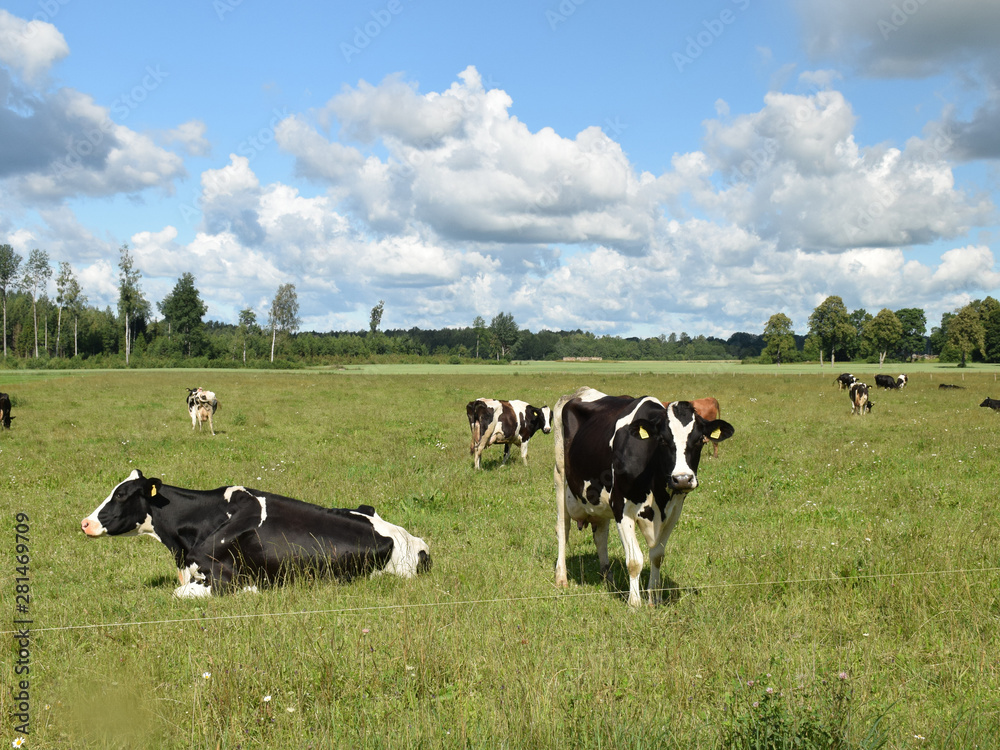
764, 716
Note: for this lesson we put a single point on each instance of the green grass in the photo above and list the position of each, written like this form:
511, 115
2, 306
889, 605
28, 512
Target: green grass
850, 564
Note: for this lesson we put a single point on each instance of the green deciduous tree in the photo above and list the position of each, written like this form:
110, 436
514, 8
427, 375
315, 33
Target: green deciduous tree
248, 328
133, 308
37, 273
376, 317
967, 332
882, 332
70, 297
831, 325
913, 339
284, 313
10, 264
183, 310
504, 333
479, 326
779, 338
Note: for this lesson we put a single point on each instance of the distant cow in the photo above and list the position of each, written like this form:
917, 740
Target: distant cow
844, 380
202, 405
860, 404
493, 421
234, 536
993, 403
5, 416
949, 385
708, 409
888, 382
631, 461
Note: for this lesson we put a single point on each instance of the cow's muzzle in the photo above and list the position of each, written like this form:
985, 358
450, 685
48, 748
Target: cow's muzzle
92, 527
683, 482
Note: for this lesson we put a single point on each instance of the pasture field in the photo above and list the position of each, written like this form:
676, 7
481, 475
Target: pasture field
836, 577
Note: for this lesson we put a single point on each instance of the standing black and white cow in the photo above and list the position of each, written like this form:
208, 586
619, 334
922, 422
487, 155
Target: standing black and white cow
234, 536
202, 405
631, 461
860, 403
844, 380
493, 421
5, 416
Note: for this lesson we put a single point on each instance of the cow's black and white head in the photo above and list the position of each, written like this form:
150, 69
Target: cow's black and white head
126, 511
675, 431
541, 418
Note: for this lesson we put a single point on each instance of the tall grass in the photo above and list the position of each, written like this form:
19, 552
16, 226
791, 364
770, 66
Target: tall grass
847, 563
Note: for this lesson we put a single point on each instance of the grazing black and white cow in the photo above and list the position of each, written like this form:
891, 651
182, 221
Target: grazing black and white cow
234, 536
5, 416
889, 382
860, 403
202, 405
631, 461
844, 380
493, 421
993, 403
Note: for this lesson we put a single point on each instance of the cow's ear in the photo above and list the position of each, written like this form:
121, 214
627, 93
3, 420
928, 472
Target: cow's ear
153, 486
719, 430
643, 429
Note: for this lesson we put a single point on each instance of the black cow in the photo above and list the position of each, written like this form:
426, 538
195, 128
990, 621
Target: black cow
234, 536
507, 422
993, 403
844, 380
888, 382
860, 403
5, 416
631, 461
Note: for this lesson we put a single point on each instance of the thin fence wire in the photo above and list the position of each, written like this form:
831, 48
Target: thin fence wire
499, 600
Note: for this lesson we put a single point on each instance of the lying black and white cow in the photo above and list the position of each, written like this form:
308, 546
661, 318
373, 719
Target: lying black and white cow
234, 536
493, 421
860, 403
844, 380
5, 416
202, 405
888, 382
993, 403
631, 461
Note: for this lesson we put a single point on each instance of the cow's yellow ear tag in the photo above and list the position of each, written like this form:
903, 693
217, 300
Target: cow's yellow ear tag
715, 434
643, 434
152, 491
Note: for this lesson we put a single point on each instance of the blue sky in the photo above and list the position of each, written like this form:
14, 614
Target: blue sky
630, 168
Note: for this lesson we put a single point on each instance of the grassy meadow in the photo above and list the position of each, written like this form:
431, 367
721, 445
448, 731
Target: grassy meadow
836, 577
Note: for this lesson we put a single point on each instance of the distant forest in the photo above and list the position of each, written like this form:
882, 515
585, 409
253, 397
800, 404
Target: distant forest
40, 332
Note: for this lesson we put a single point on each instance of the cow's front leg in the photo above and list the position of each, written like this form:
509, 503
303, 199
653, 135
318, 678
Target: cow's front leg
562, 527
193, 584
506, 453
658, 543
633, 558
524, 453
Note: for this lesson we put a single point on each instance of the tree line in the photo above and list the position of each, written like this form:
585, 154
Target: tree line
39, 331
